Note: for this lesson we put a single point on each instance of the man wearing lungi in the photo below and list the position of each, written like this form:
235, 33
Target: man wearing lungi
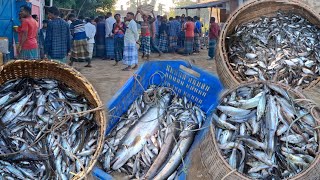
197, 34
28, 45
214, 32
173, 34
131, 37
109, 36
119, 29
145, 34
90, 32
189, 34
100, 38
79, 51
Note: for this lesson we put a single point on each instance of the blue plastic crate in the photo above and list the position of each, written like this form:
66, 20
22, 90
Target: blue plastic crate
199, 86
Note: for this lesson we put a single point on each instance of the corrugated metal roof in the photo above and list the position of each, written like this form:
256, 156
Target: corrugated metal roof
217, 4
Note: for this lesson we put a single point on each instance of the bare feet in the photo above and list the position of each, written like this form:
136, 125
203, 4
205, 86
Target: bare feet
115, 63
127, 68
135, 66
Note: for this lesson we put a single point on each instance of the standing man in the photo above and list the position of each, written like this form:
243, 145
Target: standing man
101, 37
145, 34
119, 29
90, 32
131, 37
28, 45
79, 51
173, 34
189, 34
109, 36
157, 26
57, 41
214, 32
42, 37
197, 34
163, 32
154, 47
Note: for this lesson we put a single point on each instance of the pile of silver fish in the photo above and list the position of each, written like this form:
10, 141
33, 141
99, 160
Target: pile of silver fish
152, 138
43, 136
263, 133
283, 48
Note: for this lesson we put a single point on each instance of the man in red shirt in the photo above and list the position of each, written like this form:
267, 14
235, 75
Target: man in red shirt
28, 45
214, 32
189, 36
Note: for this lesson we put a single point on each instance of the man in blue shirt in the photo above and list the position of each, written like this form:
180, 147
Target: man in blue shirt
57, 39
197, 34
173, 34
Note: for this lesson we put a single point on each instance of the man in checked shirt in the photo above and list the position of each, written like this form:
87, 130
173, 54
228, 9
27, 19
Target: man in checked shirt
57, 41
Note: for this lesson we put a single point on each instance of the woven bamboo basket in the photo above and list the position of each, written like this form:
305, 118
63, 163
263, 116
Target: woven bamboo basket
218, 168
249, 12
66, 74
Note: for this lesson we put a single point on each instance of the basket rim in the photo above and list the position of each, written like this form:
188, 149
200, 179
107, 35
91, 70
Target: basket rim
89, 87
291, 91
221, 48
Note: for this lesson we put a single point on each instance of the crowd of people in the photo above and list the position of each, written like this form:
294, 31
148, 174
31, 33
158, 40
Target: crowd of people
110, 37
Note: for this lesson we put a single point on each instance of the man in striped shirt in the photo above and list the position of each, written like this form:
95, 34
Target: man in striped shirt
79, 51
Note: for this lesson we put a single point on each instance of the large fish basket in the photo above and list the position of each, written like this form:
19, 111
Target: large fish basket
249, 12
199, 86
66, 74
218, 168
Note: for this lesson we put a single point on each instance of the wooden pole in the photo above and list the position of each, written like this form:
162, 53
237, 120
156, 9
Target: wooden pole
211, 12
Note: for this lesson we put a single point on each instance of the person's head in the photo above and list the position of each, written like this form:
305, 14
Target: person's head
145, 17
35, 17
109, 14
72, 17
53, 12
177, 17
88, 20
45, 23
164, 18
183, 16
189, 18
195, 18
212, 20
158, 16
170, 18
117, 17
130, 16
101, 18
81, 18
25, 11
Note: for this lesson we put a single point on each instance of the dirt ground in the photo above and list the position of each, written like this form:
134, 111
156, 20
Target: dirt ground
107, 79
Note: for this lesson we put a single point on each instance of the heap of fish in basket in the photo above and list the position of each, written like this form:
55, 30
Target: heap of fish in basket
43, 134
283, 48
152, 138
265, 132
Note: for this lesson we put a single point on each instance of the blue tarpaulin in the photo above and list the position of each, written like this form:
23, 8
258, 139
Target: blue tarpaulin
9, 17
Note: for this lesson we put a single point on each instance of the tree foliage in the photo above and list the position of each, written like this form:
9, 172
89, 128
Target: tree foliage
86, 7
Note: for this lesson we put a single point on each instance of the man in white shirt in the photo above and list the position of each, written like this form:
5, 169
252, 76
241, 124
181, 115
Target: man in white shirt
90, 32
131, 37
109, 36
